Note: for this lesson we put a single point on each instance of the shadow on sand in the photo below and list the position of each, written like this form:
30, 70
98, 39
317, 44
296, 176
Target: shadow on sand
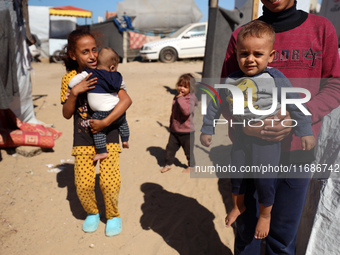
170, 90
65, 178
182, 222
220, 155
159, 154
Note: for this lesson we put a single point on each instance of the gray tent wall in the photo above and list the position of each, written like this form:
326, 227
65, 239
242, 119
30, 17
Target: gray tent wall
222, 23
331, 10
108, 35
18, 96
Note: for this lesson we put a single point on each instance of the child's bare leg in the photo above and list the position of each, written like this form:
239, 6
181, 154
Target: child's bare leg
126, 145
100, 156
263, 223
238, 209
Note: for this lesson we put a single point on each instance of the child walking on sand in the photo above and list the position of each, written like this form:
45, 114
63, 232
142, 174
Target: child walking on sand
254, 51
81, 52
181, 123
103, 98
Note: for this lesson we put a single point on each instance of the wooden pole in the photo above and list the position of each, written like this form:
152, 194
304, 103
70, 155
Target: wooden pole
125, 47
255, 9
213, 3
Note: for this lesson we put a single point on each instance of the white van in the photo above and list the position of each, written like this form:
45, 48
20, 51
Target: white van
187, 42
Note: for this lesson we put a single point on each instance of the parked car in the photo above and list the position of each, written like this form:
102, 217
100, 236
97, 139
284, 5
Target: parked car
187, 42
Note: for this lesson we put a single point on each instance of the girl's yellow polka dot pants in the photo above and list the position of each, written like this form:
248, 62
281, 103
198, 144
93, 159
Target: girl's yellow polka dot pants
109, 181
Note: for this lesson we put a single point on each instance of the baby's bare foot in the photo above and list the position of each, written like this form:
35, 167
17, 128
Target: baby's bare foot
233, 214
262, 226
99, 156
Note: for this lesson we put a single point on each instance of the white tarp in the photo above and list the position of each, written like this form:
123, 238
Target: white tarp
39, 18
160, 14
325, 234
324, 238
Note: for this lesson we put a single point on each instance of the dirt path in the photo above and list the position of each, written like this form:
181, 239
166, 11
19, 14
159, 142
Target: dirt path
163, 214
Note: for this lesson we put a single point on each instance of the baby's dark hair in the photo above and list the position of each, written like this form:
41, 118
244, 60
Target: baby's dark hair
186, 79
256, 28
108, 57
72, 39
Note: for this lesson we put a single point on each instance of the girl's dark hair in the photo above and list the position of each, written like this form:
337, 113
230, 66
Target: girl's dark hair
72, 39
186, 79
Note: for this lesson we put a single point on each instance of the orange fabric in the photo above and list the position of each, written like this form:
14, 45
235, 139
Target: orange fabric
28, 138
69, 8
14, 133
70, 11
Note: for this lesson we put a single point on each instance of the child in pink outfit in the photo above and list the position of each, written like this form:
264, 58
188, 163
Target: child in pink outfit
181, 123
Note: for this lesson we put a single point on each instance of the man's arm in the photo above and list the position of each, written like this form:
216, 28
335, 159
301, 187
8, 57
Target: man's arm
272, 130
328, 97
213, 112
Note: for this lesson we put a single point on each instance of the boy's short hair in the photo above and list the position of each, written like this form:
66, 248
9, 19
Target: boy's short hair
108, 57
256, 28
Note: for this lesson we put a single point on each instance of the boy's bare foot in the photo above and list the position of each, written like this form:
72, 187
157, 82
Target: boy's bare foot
238, 209
126, 145
233, 214
262, 226
263, 223
99, 156
165, 169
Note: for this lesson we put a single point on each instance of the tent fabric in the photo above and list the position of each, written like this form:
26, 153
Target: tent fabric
137, 40
123, 23
22, 104
160, 15
39, 19
29, 36
8, 73
70, 11
46, 26
60, 29
108, 35
222, 23
327, 220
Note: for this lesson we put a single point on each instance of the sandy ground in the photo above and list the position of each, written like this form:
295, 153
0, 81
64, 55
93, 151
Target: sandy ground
171, 213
